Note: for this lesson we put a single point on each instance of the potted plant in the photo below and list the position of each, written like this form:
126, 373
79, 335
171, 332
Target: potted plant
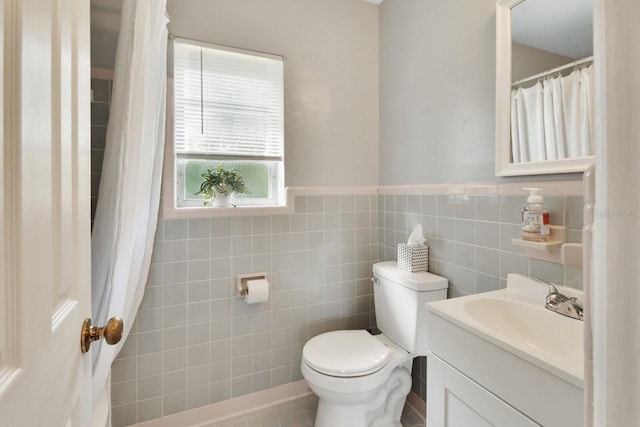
219, 184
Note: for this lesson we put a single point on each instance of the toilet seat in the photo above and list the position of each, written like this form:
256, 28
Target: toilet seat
345, 353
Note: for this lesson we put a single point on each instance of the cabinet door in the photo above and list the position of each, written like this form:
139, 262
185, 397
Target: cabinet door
454, 400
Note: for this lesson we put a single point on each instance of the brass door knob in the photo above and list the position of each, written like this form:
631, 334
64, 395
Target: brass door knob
112, 333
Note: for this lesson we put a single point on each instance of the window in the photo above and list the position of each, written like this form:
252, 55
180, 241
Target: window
228, 109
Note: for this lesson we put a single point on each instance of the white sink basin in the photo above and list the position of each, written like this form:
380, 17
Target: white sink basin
516, 320
514, 349
535, 328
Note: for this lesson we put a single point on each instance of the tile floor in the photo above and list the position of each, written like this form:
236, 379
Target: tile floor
296, 413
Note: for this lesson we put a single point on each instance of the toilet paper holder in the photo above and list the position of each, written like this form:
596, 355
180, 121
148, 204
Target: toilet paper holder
241, 282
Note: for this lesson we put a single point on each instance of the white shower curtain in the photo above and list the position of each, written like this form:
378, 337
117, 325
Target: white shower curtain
553, 119
528, 123
554, 135
127, 211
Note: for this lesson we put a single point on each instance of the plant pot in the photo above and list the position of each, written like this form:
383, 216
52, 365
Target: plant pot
222, 200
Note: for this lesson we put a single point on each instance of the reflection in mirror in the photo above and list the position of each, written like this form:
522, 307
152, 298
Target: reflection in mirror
552, 92
545, 97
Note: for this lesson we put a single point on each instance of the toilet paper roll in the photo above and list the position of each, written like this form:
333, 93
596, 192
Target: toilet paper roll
258, 291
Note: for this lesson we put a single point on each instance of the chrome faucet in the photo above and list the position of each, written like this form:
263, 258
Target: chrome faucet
562, 304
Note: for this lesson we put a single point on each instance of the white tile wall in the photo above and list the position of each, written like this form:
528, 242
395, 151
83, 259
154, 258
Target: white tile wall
470, 242
101, 92
195, 343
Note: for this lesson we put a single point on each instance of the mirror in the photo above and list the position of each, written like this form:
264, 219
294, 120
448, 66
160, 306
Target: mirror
544, 86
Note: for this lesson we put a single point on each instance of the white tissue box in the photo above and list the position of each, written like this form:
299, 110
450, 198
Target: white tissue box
413, 258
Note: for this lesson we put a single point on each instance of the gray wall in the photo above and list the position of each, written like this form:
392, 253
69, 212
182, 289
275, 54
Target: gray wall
437, 91
105, 25
331, 76
195, 343
437, 114
100, 102
331, 73
469, 238
527, 61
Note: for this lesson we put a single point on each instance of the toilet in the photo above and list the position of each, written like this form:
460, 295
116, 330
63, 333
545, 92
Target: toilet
363, 379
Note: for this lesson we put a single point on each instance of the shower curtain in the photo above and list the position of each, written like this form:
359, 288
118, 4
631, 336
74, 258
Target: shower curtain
127, 210
553, 119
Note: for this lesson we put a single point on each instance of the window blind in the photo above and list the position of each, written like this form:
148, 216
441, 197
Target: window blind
227, 103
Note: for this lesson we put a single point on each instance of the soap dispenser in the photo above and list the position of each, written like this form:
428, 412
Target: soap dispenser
535, 219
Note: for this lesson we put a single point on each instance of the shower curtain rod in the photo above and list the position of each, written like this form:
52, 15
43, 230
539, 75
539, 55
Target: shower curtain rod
555, 70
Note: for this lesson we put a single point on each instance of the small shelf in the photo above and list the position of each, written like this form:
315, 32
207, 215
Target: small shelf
555, 250
547, 251
541, 246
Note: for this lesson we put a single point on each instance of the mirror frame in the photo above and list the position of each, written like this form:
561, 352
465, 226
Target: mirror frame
504, 166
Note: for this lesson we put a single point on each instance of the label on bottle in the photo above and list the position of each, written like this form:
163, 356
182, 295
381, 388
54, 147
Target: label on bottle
545, 227
534, 222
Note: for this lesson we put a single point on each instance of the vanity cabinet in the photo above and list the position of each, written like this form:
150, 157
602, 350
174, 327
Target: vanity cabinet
477, 380
457, 401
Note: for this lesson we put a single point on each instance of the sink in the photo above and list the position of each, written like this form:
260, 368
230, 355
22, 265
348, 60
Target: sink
516, 320
507, 343
533, 327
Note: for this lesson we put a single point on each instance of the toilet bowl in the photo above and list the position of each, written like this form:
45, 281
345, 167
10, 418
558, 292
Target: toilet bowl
370, 391
362, 380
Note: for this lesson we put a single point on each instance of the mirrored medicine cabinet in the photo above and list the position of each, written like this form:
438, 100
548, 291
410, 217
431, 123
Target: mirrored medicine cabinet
544, 86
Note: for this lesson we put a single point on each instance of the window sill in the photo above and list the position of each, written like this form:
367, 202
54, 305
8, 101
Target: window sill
172, 212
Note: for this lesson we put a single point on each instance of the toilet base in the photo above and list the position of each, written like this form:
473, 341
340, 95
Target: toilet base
381, 407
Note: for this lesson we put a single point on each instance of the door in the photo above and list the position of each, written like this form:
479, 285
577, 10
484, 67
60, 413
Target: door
44, 212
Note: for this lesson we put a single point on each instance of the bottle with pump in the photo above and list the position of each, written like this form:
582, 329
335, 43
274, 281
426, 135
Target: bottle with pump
535, 220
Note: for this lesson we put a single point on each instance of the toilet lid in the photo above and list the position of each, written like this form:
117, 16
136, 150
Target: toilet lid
345, 353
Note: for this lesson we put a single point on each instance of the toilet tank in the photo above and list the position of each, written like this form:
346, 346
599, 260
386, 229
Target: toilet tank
400, 300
